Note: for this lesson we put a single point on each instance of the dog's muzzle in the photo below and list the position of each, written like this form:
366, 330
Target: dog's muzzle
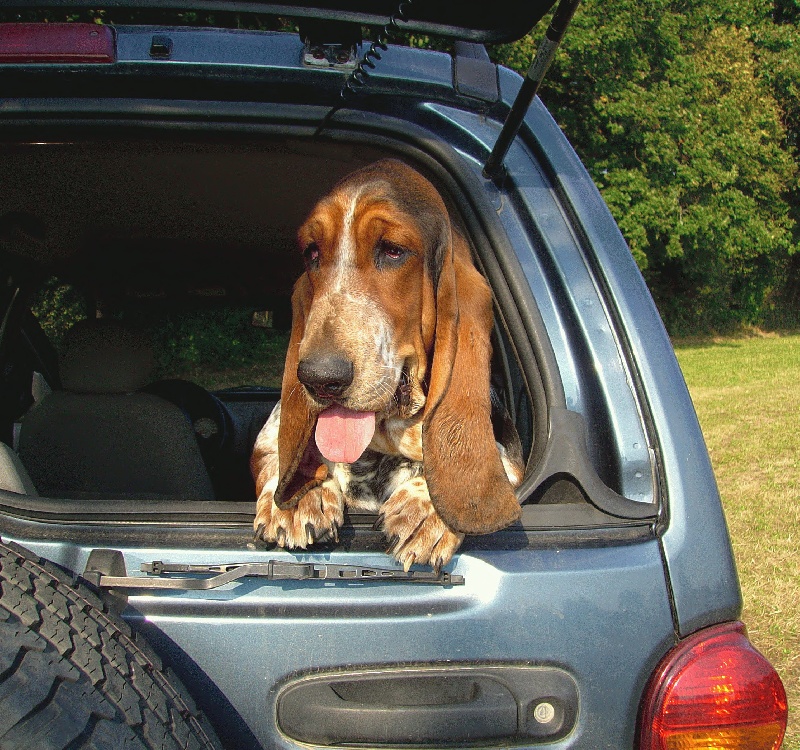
326, 376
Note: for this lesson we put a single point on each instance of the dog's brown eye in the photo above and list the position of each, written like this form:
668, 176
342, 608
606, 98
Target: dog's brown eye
388, 253
311, 254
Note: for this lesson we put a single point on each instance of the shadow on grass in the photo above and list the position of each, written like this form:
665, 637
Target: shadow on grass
732, 340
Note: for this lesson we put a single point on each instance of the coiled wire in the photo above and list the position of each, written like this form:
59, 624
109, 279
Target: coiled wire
359, 78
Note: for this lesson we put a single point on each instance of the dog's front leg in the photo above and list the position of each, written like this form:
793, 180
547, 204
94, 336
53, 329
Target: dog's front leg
318, 515
416, 532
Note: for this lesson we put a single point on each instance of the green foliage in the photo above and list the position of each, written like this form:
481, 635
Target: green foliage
215, 347
57, 307
787, 11
698, 180
686, 114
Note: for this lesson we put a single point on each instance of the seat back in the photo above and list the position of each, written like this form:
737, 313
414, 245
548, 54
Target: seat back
98, 437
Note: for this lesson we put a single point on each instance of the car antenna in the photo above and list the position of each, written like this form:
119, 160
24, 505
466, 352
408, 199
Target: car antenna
360, 76
493, 169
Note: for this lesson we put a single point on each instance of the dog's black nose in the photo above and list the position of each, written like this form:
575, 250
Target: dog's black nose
326, 376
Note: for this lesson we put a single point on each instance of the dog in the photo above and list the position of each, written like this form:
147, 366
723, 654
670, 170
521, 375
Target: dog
385, 403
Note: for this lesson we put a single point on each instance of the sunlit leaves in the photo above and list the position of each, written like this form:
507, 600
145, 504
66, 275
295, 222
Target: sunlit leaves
686, 114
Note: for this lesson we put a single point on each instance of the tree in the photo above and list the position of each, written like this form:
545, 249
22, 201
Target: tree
667, 104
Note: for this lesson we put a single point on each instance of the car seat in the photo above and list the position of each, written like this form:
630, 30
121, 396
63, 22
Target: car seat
98, 437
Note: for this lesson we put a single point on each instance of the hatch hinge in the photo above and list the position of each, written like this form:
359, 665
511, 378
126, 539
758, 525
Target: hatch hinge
330, 44
474, 74
493, 169
103, 569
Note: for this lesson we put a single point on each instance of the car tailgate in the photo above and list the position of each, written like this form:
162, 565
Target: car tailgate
553, 644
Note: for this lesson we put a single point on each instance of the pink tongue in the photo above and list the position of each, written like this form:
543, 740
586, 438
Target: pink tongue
343, 435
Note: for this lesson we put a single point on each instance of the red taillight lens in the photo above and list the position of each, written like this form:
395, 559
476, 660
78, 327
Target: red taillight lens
56, 42
711, 692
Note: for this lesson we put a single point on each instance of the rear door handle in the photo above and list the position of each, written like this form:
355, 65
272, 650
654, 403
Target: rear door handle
428, 705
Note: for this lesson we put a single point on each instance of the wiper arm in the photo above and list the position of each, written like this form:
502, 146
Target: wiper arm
272, 570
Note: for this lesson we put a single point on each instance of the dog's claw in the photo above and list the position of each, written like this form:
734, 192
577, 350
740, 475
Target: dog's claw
335, 532
280, 537
437, 566
310, 537
378, 522
393, 541
259, 535
409, 561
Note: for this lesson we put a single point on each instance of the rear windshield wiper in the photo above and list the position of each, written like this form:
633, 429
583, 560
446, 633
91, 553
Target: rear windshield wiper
104, 570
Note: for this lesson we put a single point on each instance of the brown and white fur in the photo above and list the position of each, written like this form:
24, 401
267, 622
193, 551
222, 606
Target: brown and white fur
391, 290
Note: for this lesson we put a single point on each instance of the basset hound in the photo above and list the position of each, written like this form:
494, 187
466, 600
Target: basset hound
385, 404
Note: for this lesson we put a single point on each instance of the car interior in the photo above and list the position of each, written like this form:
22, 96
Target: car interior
148, 332
148, 277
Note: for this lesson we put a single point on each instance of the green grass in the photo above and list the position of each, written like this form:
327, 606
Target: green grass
747, 396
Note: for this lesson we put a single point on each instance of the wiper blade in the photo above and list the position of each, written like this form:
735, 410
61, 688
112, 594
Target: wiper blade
160, 575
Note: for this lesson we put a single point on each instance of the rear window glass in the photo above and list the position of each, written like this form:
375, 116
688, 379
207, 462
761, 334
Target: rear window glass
217, 347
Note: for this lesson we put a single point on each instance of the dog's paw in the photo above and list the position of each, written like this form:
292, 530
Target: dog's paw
415, 530
316, 518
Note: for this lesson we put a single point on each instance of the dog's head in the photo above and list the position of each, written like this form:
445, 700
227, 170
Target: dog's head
391, 319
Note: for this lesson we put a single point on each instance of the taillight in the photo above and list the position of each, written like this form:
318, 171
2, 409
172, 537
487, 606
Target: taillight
56, 43
712, 692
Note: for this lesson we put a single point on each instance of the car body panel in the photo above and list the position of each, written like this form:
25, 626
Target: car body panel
581, 610
695, 533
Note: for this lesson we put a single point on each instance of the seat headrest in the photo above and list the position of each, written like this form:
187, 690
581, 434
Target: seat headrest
104, 356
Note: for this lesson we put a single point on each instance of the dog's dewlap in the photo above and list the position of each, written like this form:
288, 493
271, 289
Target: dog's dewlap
342, 435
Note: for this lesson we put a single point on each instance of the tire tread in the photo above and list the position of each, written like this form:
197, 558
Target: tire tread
73, 675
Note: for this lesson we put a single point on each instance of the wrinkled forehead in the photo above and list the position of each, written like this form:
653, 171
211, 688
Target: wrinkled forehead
398, 182
397, 189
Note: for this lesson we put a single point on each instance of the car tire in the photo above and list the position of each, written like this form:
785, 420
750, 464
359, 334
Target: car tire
74, 675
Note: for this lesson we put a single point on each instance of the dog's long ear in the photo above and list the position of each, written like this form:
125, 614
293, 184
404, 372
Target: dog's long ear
300, 465
465, 475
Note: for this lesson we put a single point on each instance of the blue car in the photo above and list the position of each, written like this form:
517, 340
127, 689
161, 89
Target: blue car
155, 170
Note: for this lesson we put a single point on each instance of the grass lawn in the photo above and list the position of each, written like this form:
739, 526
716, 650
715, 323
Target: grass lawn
747, 396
